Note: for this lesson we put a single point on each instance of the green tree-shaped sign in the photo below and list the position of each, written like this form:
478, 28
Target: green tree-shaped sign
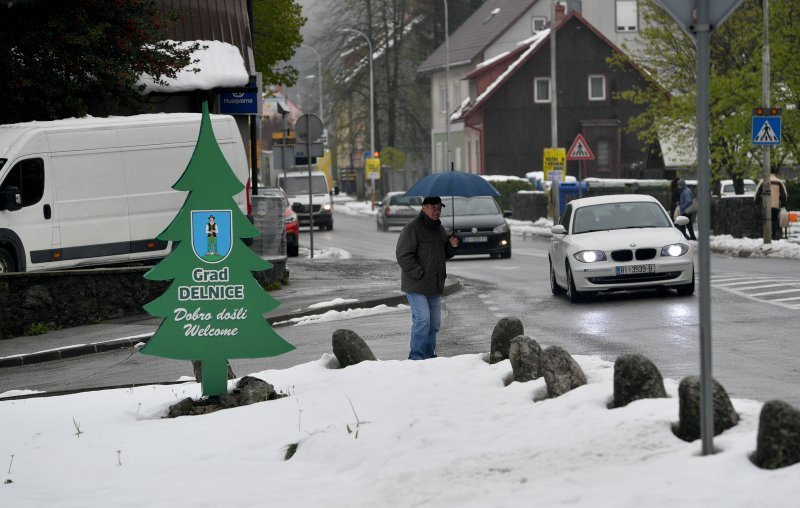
214, 308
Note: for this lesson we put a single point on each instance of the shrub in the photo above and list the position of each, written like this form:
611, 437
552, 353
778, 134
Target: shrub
507, 188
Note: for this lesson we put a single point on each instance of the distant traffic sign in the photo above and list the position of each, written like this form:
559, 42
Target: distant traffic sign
554, 163
766, 130
579, 151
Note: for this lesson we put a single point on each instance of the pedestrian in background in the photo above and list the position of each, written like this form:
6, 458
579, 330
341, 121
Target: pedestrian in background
778, 199
685, 202
675, 196
422, 250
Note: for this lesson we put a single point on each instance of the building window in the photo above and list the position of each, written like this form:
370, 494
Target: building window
627, 16
541, 90
597, 87
538, 23
469, 157
603, 155
443, 97
456, 102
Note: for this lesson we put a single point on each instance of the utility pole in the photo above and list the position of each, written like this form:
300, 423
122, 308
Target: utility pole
554, 107
766, 186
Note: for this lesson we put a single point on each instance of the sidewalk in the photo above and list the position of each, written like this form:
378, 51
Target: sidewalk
331, 283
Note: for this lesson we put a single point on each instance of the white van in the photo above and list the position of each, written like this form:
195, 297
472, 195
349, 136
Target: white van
296, 186
94, 191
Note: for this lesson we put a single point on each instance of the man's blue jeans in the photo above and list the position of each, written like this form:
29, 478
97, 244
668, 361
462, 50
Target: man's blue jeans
426, 317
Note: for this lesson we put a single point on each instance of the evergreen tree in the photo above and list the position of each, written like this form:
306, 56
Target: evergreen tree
214, 308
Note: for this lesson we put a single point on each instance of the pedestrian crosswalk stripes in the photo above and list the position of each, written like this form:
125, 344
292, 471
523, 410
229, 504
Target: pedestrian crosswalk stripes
783, 292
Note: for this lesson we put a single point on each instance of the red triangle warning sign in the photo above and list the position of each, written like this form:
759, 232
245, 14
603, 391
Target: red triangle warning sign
579, 151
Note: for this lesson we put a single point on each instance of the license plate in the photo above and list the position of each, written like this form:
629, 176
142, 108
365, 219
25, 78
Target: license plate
633, 269
475, 239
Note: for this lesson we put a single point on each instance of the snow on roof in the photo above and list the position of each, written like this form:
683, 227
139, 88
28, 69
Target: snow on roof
220, 65
534, 43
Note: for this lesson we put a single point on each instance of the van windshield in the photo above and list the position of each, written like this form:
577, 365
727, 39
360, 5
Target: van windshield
299, 185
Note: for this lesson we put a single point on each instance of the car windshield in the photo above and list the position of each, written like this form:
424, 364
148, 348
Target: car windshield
299, 185
2, 163
478, 205
609, 216
401, 200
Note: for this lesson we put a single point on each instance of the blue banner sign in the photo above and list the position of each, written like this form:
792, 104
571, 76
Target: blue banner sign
238, 103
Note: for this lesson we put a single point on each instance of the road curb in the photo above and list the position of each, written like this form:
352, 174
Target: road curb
128, 342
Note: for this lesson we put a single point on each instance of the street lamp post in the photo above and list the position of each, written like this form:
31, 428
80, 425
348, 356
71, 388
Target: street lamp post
447, 87
319, 78
371, 89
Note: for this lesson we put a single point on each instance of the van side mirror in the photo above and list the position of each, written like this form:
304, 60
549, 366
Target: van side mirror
10, 199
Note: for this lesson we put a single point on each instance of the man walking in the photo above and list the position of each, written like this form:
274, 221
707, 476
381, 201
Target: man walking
422, 250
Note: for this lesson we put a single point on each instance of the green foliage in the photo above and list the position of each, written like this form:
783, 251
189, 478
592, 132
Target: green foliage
290, 451
793, 194
393, 158
36, 329
65, 59
276, 31
667, 54
507, 188
274, 286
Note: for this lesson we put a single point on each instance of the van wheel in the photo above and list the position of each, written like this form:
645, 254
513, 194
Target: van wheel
7, 263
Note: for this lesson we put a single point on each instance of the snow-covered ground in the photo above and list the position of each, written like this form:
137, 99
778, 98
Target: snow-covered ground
441, 433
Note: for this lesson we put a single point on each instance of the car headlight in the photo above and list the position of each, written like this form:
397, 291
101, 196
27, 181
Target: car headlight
502, 228
326, 207
590, 256
290, 218
674, 250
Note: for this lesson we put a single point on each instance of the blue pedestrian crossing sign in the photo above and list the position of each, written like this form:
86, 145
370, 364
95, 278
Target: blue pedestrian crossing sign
767, 130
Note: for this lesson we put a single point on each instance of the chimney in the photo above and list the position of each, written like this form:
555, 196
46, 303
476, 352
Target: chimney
559, 12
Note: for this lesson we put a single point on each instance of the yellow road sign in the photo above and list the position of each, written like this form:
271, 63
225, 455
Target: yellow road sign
555, 160
373, 167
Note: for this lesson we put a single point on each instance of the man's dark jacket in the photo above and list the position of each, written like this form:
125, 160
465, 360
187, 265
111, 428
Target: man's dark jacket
422, 249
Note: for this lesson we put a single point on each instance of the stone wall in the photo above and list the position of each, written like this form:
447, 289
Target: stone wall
59, 299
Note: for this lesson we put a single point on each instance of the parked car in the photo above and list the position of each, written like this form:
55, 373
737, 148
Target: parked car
480, 225
396, 209
618, 242
289, 218
726, 188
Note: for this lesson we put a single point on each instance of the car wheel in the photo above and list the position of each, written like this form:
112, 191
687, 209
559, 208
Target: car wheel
506, 254
293, 251
7, 264
554, 287
330, 226
687, 289
573, 294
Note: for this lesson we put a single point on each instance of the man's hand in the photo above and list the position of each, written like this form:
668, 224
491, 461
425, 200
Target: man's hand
454, 241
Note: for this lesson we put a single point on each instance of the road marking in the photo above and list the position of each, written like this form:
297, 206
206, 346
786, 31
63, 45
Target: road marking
744, 285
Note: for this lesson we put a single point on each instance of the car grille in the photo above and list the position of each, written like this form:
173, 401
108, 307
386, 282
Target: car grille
469, 230
635, 277
304, 208
628, 254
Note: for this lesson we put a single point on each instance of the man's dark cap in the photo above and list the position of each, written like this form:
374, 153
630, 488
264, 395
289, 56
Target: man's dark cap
432, 200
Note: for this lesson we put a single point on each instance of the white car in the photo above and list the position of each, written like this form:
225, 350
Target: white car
618, 242
726, 188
